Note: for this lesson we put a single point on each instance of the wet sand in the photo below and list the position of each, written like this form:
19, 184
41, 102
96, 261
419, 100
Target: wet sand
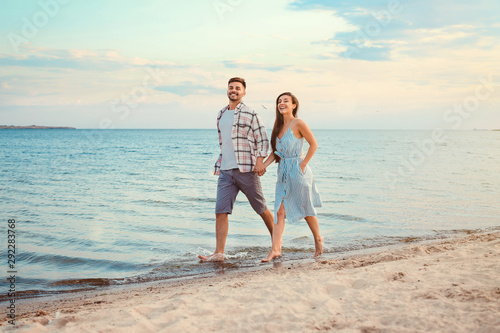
450, 285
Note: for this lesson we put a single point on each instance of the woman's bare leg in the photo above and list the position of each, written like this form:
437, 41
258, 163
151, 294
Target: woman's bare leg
278, 229
312, 221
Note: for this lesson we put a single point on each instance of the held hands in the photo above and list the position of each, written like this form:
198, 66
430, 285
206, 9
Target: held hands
259, 169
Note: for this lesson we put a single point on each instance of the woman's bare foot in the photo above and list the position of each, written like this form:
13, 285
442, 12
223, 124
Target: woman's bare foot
212, 257
272, 254
319, 247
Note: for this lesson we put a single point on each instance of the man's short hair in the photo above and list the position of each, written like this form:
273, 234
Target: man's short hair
238, 79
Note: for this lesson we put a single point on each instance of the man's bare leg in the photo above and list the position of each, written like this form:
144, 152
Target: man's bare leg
221, 229
268, 219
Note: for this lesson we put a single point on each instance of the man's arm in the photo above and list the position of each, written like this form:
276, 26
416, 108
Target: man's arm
262, 142
219, 159
259, 166
260, 134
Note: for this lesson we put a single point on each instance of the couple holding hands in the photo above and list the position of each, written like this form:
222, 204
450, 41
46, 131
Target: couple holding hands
244, 145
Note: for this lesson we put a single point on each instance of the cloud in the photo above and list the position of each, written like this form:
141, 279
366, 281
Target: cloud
101, 60
189, 88
251, 65
6, 86
380, 27
367, 53
280, 37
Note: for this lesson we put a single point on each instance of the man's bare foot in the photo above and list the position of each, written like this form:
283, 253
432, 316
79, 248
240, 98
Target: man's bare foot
212, 257
319, 247
272, 254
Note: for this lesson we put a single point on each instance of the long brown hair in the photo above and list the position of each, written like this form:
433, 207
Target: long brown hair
278, 123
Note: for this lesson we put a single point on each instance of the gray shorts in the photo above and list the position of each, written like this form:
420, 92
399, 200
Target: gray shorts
231, 182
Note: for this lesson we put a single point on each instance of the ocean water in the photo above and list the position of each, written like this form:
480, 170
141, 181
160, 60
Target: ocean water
106, 207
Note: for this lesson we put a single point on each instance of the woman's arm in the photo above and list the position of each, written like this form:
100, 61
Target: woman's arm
270, 159
306, 132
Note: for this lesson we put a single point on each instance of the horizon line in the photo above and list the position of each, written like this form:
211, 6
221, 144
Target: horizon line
315, 129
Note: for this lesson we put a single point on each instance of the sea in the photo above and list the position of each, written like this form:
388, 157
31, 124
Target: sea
96, 208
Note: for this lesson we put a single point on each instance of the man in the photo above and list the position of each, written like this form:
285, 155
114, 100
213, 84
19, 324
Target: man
244, 145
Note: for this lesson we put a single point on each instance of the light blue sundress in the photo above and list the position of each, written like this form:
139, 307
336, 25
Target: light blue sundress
296, 189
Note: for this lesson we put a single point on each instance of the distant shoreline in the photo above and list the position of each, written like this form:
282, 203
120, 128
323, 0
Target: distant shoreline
34, 127
336, 129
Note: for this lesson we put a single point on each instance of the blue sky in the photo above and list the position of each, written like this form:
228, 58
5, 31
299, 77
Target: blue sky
395, 64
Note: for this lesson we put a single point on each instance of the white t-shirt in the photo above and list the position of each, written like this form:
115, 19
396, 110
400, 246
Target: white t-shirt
226, 127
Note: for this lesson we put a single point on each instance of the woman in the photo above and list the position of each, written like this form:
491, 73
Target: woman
296, 192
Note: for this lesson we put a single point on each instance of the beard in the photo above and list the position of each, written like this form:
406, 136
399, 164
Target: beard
235, 97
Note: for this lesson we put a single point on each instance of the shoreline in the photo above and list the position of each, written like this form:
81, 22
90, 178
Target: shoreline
89, 285
422, 286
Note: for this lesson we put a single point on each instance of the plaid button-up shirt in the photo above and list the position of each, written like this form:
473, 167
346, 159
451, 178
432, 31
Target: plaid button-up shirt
249, 138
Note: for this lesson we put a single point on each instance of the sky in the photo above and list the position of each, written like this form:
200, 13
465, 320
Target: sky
371, 64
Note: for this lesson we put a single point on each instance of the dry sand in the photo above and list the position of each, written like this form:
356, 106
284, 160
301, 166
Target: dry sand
446, 286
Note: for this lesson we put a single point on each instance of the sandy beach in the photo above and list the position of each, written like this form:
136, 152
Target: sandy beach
450, 285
